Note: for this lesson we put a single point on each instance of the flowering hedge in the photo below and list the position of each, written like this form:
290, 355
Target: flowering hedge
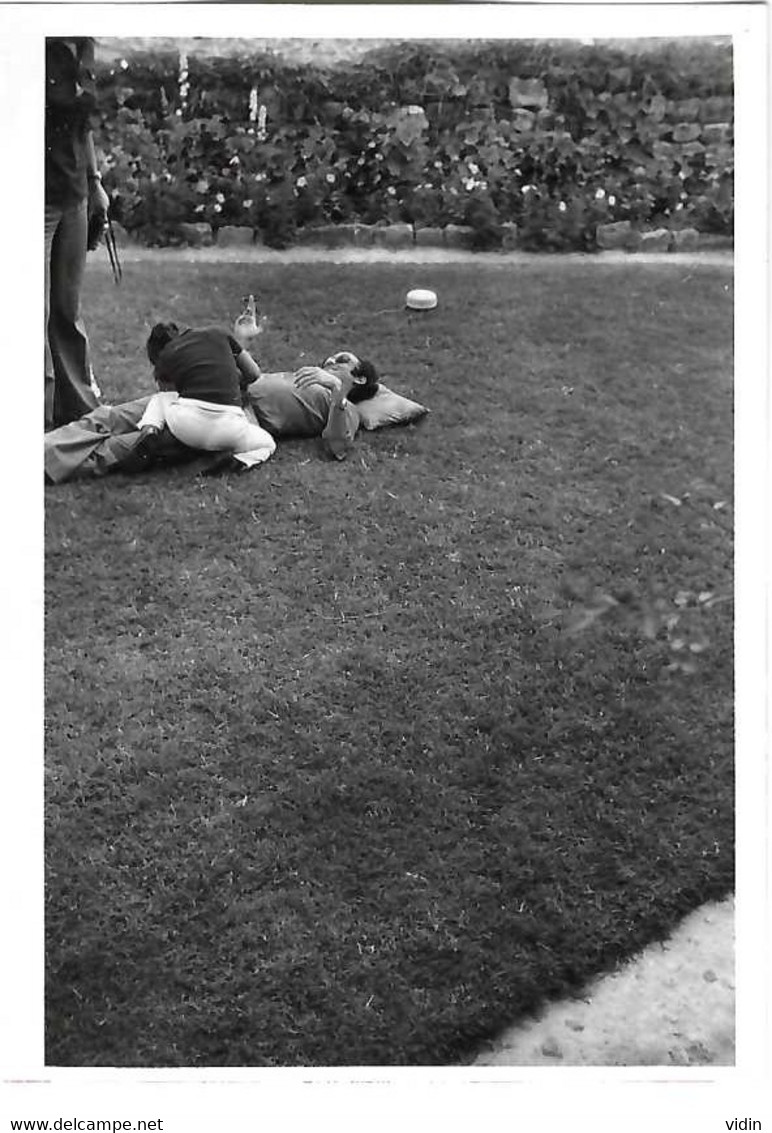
556, 137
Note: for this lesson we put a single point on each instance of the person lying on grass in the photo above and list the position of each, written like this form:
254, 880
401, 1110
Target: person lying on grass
316, 401
312, 401
202, 376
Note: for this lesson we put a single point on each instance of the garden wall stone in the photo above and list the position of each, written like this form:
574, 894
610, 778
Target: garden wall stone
715, 241
363, 235
529, 93
717, 108
685, 238
523, 120
619, 235
509, 240
235, 236
658, 240
686, 111
320, 236
458, 236
394, 236
667, 150
686, 131
197, 234
430, 238
336, 236
716, 133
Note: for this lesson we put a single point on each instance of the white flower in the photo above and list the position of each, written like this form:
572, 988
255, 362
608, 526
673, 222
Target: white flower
301, 182
247, 205
183, 76
124, 65
379, 157
330, 178
473, 169
438, 165
220, 199
600, 194
679, 206
562, 206
253, 105
391, 191
259, 177
360, 161
218, 208
199, 208
526, 189
612, 199
415, 109
469, 184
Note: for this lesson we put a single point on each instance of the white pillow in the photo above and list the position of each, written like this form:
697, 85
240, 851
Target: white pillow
388, 408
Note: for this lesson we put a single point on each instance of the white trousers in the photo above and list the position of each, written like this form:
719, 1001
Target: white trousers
214, 428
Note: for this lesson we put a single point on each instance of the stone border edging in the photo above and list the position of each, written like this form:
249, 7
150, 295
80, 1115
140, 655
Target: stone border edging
620, 236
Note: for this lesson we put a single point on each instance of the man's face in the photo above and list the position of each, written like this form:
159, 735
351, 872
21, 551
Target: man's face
343, 358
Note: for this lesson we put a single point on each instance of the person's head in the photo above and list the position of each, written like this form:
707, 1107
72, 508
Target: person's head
363, 372
160, 336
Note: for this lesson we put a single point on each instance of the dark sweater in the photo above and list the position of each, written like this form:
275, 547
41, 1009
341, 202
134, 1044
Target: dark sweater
201, 364
70, 101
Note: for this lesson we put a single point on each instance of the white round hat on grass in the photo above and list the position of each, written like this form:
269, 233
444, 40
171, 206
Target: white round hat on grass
421, 299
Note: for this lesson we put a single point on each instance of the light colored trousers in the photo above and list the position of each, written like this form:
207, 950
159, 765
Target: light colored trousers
214, 428
69, 388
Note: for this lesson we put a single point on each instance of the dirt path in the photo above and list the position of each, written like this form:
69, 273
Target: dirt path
427, 256
671, 1006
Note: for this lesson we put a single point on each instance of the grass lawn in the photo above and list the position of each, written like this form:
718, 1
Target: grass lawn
328, 783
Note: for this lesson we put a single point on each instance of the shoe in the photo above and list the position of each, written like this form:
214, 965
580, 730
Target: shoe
142, 456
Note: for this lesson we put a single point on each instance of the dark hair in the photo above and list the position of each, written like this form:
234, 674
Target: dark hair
363, 390
160, 336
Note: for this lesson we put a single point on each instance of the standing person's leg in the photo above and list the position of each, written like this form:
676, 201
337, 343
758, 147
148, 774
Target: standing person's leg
75, 391
52, 217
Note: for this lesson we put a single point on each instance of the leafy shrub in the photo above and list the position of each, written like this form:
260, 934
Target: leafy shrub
425, 133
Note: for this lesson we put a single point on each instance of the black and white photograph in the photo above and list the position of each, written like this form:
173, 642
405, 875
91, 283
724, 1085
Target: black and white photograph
397, 558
